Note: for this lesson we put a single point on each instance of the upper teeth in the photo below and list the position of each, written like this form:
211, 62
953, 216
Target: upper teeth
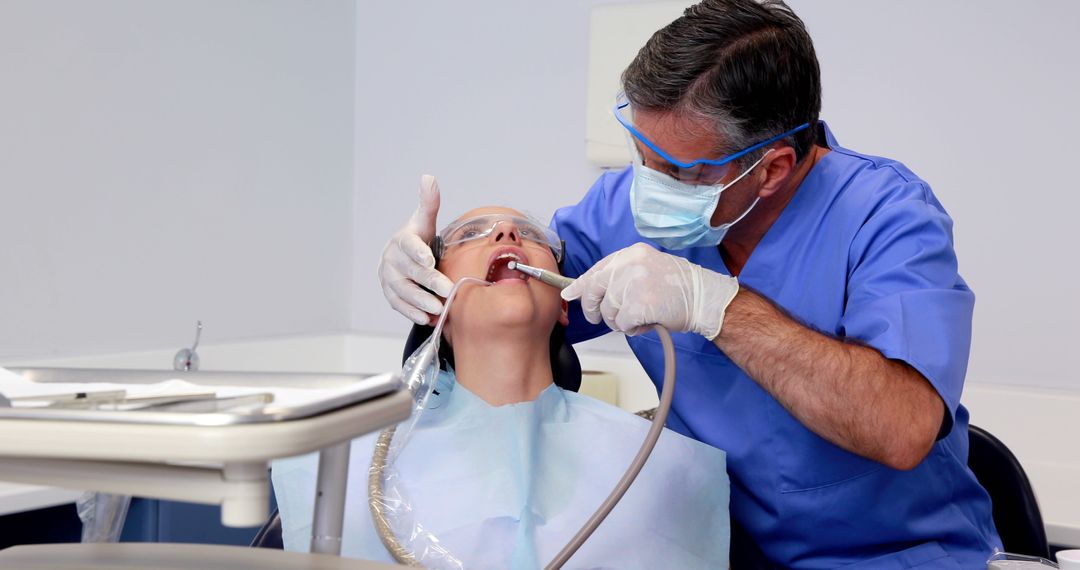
507, 255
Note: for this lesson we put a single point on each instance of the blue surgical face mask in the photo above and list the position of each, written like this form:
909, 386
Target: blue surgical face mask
675, 214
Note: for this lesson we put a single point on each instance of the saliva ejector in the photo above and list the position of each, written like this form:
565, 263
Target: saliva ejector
667, 392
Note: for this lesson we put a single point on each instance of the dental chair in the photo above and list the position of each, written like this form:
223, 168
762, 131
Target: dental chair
565, 368
1016, 512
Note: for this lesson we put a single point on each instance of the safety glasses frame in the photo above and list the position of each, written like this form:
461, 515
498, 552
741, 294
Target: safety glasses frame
621, 102
441, 243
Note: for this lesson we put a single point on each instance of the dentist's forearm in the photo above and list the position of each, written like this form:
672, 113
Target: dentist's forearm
849, 394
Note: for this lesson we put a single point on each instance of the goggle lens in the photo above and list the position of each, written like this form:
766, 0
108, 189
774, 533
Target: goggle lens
480, 227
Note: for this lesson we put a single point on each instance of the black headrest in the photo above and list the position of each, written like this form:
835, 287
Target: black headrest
565, 366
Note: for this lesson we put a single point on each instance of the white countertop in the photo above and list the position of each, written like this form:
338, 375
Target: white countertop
15, 498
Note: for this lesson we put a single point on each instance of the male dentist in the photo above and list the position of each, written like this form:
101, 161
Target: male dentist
825, 328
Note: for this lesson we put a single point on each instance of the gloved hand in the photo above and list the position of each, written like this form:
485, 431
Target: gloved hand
639, 286
407, 262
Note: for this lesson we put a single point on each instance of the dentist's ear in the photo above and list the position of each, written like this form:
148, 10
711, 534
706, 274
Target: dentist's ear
777, 167
564, 316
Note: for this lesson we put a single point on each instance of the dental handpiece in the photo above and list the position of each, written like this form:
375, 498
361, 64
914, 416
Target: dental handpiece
549, 277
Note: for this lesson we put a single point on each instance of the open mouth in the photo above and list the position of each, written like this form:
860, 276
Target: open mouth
498, 270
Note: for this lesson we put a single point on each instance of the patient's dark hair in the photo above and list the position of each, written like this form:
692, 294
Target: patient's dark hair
565, 367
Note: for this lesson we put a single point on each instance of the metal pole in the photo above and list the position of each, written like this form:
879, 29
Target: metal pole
330, 499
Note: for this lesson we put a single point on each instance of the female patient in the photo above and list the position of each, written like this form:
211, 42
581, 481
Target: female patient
506, 467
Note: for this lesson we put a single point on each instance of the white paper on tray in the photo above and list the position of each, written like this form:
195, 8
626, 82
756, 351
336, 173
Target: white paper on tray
14, 386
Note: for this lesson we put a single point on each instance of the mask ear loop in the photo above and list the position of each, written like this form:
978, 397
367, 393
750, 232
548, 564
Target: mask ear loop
730, 184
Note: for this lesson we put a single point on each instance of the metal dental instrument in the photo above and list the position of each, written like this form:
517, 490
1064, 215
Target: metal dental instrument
549, 277
75, 400
118, 400
92, 396
135, 403
187, 359
200, 404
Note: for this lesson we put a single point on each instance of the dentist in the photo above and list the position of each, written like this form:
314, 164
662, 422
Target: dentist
826, 329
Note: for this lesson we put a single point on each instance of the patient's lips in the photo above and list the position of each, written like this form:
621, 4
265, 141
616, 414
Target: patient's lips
498, 272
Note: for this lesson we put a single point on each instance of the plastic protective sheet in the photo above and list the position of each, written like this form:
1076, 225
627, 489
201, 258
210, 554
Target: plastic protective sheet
392, 514
102, 515
1007, 561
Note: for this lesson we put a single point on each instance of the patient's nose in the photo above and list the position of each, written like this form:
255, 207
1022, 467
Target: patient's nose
506, 232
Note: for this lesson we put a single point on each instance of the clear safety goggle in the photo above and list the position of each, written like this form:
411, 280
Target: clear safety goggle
702, 171
480, 227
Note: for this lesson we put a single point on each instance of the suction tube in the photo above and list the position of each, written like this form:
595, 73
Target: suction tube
667, 392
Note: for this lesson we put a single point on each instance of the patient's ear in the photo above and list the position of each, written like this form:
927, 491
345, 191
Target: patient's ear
564, 315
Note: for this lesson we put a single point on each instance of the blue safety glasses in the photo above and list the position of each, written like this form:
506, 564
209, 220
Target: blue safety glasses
696, 170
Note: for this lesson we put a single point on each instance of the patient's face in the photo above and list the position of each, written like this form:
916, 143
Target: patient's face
513, 302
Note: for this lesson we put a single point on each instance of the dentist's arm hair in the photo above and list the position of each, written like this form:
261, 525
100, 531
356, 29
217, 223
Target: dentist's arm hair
847, 393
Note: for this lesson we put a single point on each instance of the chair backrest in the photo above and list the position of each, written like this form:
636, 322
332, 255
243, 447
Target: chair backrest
1016, 512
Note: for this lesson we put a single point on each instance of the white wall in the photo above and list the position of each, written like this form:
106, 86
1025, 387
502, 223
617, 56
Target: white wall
162, 162
980, 99
167, 161
489, 96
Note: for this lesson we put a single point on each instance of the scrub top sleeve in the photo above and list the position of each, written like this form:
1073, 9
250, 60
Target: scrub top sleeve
582, 227
905, 297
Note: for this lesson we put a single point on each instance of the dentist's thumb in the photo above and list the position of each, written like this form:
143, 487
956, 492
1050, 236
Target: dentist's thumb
423, 219
574, 290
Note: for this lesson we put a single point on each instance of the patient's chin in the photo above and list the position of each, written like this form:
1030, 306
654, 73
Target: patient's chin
509, 318
506, 309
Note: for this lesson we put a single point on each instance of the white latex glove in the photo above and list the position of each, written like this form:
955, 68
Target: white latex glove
639, 286
407, 261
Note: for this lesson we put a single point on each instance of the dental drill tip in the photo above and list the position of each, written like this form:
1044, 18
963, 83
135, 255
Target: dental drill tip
545, 276
529, 270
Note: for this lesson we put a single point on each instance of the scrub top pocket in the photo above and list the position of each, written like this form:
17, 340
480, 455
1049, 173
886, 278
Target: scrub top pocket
806, 461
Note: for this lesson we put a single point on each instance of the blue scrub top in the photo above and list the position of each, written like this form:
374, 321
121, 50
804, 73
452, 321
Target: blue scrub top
864, 251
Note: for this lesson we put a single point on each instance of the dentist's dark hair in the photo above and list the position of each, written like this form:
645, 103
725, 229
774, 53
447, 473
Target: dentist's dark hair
746, 66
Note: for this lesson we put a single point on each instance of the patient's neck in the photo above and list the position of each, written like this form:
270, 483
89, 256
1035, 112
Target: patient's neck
503, 368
